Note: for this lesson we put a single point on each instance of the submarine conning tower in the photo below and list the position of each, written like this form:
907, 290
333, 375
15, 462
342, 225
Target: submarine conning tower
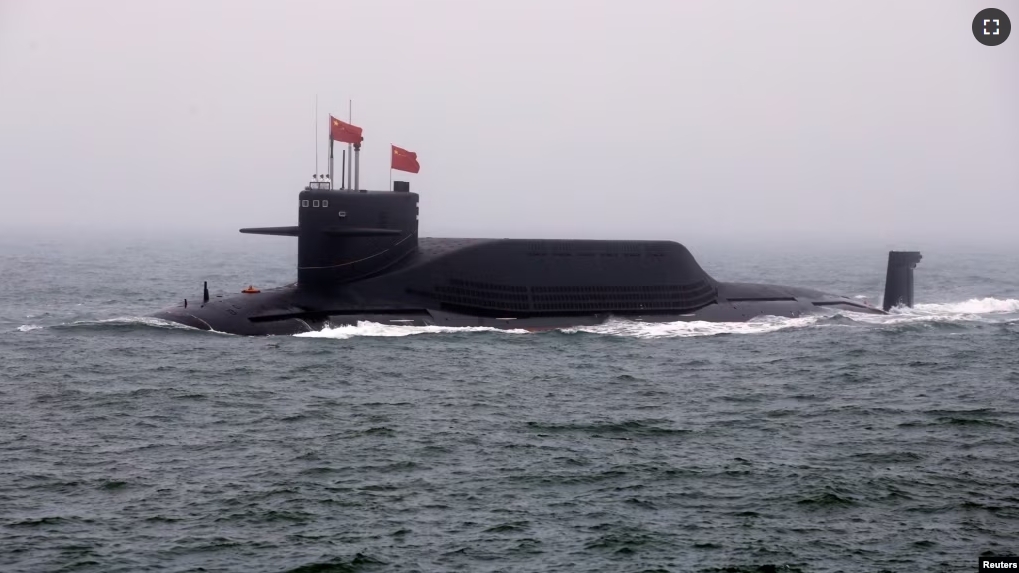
348, 235
345, 235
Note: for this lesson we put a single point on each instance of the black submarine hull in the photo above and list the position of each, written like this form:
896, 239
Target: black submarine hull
359, 258
448, 282
246, 320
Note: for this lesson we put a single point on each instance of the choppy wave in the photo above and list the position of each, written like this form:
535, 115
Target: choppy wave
973, 310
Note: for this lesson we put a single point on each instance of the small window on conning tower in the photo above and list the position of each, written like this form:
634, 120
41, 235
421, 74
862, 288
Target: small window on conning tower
304, 203
314, 203
325, 202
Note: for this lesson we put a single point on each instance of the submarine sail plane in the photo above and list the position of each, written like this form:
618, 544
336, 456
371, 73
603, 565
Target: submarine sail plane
359, 258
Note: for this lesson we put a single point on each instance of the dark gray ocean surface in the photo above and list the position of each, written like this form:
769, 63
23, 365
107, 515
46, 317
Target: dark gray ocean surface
819, 444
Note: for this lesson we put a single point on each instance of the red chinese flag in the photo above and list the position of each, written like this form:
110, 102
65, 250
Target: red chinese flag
404, 160
343, 131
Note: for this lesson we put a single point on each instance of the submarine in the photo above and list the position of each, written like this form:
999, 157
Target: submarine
359, 258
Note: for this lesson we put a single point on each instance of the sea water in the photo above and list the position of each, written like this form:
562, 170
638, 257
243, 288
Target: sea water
835, 442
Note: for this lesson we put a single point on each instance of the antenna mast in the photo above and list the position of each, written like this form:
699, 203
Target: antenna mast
316, 133
350, 148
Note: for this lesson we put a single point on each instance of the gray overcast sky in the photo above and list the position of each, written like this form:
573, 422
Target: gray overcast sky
556, 118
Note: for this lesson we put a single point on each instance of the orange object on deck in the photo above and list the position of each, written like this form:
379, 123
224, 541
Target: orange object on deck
251, 290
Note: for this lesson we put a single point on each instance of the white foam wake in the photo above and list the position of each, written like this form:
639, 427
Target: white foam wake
973, 310
627, 328
132, 320
375, 329
972, 306
686, 329
119, 321
988, 310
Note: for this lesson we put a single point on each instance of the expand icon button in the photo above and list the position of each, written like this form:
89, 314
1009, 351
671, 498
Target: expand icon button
991, 27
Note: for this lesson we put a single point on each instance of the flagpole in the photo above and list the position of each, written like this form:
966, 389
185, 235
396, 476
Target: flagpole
350, 148
343, 170
330, 163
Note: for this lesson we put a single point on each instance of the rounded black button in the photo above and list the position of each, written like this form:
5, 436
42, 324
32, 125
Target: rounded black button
991, 27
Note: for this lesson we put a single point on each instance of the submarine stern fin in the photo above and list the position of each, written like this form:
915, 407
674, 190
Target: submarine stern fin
899, 279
